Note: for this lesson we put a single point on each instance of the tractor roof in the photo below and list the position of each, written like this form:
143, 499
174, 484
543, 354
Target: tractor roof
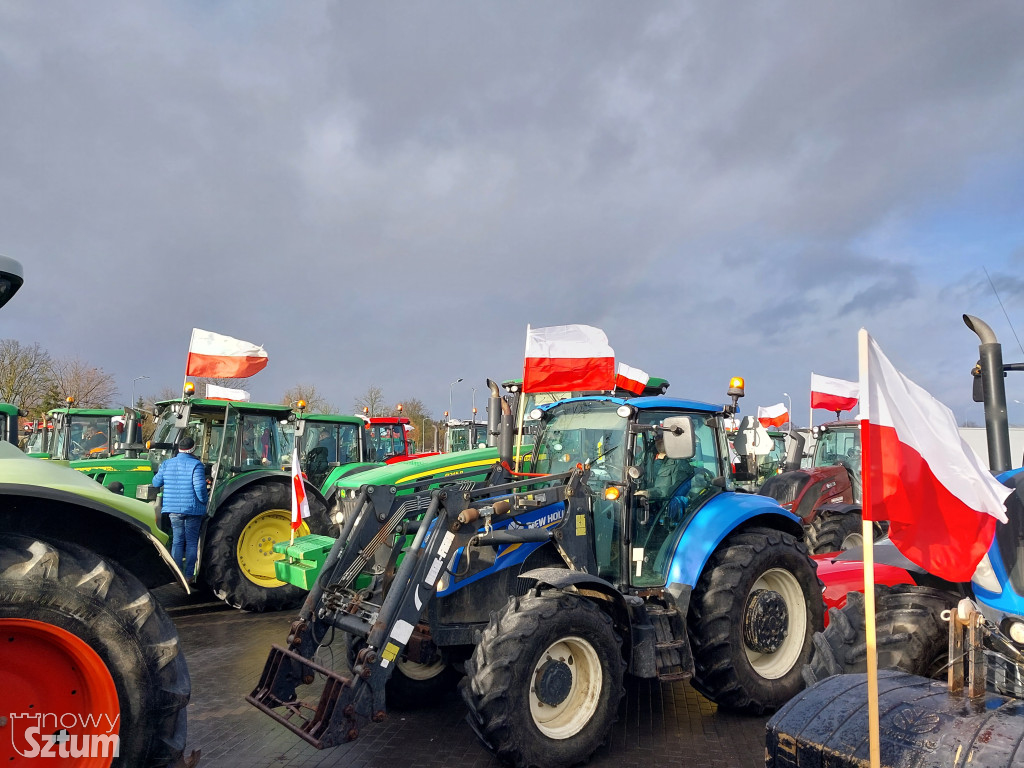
89, 411
645, 403
333, 418
10, 410
201, 403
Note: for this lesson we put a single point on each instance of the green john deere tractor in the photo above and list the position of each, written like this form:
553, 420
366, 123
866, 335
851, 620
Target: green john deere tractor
82, 635
240, 445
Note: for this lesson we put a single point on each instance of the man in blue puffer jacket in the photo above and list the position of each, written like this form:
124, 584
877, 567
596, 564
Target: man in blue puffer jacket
183, 479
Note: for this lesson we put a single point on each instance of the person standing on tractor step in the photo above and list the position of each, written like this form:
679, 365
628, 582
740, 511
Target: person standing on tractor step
183, 479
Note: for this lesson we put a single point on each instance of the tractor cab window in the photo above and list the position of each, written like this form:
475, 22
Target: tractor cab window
838, 446
206, 429
325, 446
86, 437
667, 492
38, 439
385, 441
590, 432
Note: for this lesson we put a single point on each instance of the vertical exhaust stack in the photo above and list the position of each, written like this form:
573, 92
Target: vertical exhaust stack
990, 369
494, 403
794, 452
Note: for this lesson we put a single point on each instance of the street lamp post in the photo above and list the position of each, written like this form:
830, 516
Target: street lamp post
137, 378
450, 388
789, 412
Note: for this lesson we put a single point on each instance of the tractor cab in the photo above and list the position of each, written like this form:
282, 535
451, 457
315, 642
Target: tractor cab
9, 423
465, 435
329, 441
231, 438
653, 463
85, 433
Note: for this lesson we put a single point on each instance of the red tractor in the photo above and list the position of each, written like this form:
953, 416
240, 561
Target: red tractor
826, 496
388, 440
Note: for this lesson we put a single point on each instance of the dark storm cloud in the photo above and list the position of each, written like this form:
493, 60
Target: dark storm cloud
389, 193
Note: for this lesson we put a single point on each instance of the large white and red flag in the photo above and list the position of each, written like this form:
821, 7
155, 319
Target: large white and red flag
833, 394
941, 502
215, 356
631, 379
300, 505
772, 415
568, 358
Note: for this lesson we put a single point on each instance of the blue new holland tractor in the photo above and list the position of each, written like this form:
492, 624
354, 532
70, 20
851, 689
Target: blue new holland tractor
625, 549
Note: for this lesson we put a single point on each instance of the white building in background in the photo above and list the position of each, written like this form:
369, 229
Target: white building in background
975, 437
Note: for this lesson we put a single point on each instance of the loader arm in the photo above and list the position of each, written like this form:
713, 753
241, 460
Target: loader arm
382, 631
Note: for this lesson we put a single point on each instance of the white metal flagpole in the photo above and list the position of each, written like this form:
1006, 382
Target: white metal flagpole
874, 750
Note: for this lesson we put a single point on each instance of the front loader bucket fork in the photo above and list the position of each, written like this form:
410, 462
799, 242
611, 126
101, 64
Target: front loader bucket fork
334, 719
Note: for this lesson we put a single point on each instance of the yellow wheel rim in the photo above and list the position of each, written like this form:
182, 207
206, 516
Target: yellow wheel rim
255, 548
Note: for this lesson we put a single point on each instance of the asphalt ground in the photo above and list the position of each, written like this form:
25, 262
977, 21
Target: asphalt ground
660, 724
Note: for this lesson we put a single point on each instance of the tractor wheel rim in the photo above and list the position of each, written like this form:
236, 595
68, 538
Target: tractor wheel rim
851, 540
46, 670
416, 670
772, 666
255, 548
568, 717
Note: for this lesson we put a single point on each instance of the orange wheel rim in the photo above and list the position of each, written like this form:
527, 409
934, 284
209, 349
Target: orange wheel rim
55, 683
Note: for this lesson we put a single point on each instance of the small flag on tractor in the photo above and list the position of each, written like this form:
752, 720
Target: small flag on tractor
300, 505
631, 379
214, 356
772, 415
833, 394
214, 392
568, 358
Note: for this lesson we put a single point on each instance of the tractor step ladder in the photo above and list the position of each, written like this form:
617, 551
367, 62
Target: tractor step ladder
310, 722
671, 646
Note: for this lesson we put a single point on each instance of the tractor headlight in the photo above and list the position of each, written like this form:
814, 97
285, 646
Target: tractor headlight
444, 582
535, 414
1014, 629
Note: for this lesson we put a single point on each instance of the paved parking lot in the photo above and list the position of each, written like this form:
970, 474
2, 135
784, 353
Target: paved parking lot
659, 724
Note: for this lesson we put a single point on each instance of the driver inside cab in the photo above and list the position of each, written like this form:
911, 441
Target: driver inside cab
92, 439
665, 476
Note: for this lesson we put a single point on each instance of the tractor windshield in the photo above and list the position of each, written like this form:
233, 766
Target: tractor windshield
37, 441
81, 437
838, 446
581, 432
385, 441
205, 428
324, 445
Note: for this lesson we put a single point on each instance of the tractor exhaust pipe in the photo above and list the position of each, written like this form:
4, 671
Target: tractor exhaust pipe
989, 374
494, 402
794, 452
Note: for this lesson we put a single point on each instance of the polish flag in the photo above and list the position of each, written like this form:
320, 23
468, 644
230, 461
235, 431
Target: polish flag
300, 505
631, 379
772, 415
213, 392
941, 502
214, 356
833, 394
568, 358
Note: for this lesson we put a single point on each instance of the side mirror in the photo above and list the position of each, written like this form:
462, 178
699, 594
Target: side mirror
300, 427
11, 278
678, 436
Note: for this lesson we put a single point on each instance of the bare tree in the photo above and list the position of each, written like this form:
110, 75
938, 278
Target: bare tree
419, 417
315, 402
372, 400
24, 374
92, 387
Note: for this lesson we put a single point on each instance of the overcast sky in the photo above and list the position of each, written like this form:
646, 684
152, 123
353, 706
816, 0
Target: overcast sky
387, 193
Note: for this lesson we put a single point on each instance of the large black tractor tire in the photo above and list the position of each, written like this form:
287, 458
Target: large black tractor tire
237, 557
834, 533
544, 683
911, 635
77, 630
752, 615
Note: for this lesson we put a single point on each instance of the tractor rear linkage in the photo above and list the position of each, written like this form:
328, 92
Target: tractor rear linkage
382, 633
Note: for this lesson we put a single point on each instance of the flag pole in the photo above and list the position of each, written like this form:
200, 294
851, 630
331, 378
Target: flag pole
522, 408
185, 380
867, 529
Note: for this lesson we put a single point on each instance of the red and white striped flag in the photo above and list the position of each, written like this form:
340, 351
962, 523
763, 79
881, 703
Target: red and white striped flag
772, 415
631, 379
941, 502
300, 505
833, 394
568, 358
214, 356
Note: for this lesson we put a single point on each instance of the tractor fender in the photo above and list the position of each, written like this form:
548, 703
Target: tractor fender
57, 515
1007, 601
723, 515
626, 611
842, 509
